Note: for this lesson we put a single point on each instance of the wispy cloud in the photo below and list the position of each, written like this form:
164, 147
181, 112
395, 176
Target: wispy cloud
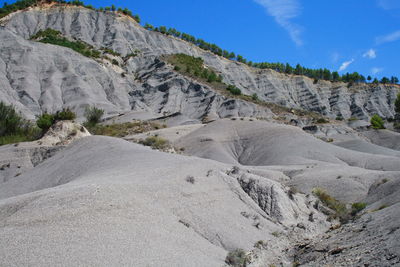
284, 11
388, 4
370, 54
394, 36
345, 65
376, 70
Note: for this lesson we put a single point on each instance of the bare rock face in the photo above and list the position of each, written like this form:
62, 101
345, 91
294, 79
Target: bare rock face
63, 133
65, 78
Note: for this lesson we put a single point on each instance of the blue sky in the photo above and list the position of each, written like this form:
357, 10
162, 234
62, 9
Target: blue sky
345, 35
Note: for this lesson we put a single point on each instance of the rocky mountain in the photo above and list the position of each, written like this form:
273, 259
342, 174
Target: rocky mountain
40, 77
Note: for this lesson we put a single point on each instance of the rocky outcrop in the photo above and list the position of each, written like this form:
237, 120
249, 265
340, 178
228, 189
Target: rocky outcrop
65, 78
19, 158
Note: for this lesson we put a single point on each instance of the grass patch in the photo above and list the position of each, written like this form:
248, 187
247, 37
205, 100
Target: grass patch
50, 36
353, 119
155, 142
123, 129
110, 51
12, 139
322, 121
357, 207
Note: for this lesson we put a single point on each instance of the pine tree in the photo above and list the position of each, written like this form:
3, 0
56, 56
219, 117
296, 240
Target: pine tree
385, 80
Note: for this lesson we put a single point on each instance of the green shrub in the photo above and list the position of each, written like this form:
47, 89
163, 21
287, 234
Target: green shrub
377, 122
65, 115
115, 62
10, 120
45, 121
254, 97
93, 115
339, 118
234, 90
237, 258
14, 128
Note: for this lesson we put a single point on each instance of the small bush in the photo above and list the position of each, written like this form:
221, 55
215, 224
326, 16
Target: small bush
155, 142
276, 234
45, 121
237, 258
254, 97
377, 122
234, 90
190, 179
10, 121
357, 207
65, 115
322, 120
115, 62
14, 128
93, 115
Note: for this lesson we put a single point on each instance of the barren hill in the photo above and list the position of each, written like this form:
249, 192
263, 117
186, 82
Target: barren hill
260, 178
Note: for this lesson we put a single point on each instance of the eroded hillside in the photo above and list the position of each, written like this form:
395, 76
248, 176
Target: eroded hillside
46, 77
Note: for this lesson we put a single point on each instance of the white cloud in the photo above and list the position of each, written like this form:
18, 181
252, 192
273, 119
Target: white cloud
389, 4
376, 70
284, 11
345, 65
370, 54
394, 36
